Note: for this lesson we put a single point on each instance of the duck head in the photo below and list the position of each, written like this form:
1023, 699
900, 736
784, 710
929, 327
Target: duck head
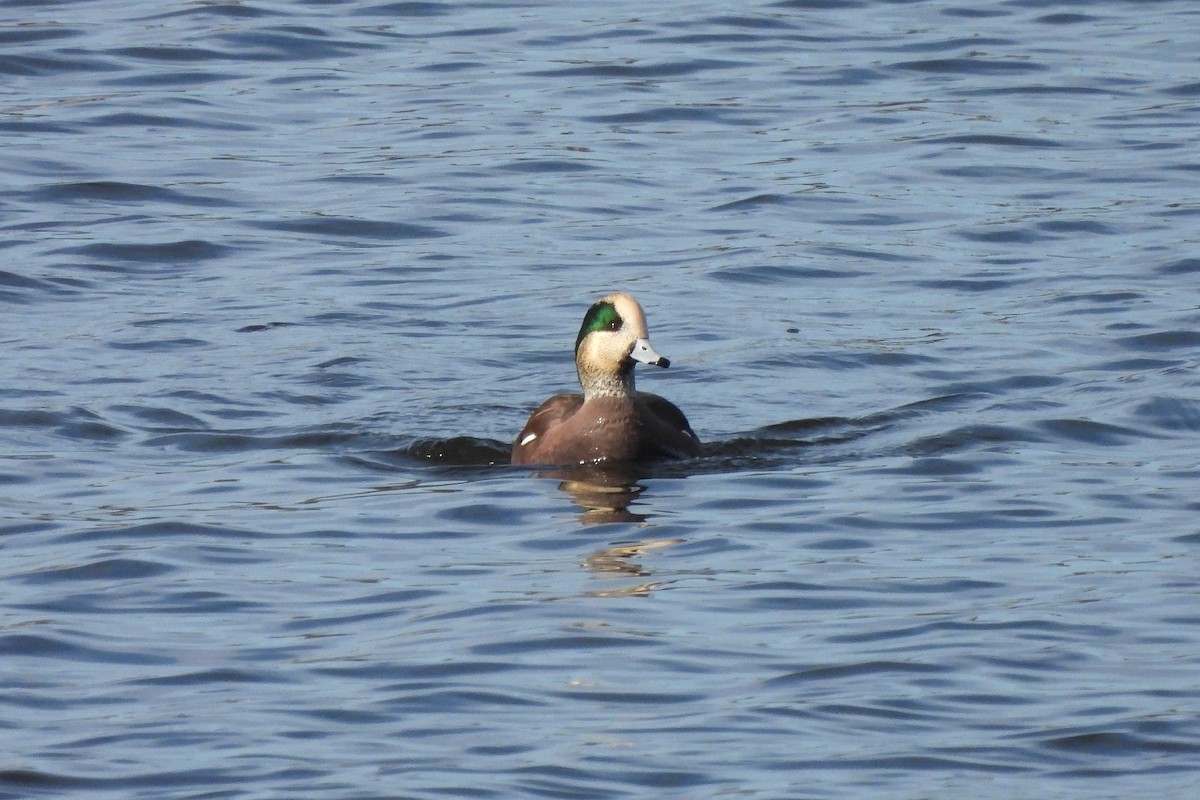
612, 338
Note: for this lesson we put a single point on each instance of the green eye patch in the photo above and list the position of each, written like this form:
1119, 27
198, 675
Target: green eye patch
600, 317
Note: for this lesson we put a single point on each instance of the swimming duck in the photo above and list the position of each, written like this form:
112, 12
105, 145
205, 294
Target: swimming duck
610, 421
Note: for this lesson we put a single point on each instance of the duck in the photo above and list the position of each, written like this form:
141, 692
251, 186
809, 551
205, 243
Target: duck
610, 421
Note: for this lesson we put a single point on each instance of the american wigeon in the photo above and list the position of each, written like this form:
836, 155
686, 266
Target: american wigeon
610, 421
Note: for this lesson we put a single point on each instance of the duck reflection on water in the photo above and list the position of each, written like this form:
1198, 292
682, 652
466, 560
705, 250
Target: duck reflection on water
604, 491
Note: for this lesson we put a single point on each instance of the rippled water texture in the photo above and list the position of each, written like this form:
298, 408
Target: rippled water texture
280, 282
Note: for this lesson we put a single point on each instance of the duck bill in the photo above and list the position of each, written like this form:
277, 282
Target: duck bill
645, 354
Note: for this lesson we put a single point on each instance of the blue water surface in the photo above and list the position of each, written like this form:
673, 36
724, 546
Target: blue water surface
280, 282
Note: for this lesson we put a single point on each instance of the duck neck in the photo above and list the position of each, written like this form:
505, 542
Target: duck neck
600, 383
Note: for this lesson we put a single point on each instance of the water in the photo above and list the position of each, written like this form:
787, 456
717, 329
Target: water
280, 282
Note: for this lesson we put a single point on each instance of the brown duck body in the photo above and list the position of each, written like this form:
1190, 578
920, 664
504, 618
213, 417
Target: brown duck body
566, 429
611, 420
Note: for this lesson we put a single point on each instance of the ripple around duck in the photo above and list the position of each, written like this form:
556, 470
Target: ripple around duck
459, 451
210, 441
